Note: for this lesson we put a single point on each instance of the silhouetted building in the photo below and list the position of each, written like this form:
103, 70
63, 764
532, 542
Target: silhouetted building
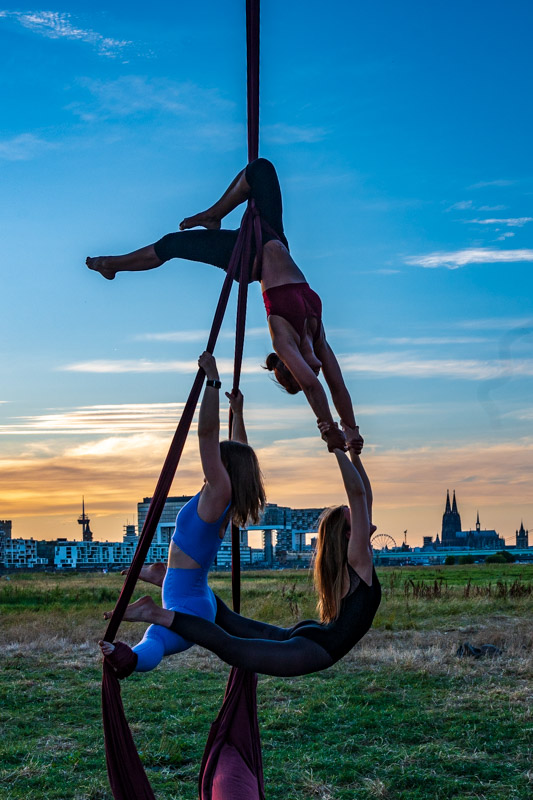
130, 534
451, 523
167, 522
84, 520
5, 537
522, 537
480, 539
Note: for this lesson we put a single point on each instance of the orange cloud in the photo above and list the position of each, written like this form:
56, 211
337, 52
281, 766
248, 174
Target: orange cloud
41, 489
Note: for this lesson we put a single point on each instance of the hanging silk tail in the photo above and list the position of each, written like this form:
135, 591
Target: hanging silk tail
232, 767
127, 778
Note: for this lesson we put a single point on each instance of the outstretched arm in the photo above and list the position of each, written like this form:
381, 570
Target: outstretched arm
238, 430
334, 379
289, 353
217, 491
355, 445
359, 550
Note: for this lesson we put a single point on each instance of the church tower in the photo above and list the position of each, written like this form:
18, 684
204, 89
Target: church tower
522, 537
451, 522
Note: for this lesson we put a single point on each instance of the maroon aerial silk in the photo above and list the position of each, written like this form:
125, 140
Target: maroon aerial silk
231, 766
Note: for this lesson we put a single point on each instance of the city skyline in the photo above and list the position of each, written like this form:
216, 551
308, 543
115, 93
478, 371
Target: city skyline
404, 157
256, 532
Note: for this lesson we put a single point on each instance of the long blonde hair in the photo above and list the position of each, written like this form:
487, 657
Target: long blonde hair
330, 561
247, 490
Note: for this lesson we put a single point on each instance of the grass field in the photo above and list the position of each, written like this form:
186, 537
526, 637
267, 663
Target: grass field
400, 717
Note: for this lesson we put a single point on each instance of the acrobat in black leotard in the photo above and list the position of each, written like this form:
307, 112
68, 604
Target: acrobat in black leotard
306, 647
216, 246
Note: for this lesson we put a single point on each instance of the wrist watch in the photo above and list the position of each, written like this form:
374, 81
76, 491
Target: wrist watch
213, 383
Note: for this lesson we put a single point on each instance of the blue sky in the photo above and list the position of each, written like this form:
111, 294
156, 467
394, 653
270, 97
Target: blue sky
401, 134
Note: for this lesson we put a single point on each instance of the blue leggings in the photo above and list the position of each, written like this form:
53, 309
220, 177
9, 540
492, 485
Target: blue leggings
183, 590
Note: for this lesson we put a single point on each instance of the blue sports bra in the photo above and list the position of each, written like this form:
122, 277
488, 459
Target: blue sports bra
198, 539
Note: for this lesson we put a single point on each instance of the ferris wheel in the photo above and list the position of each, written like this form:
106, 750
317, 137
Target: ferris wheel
382, 541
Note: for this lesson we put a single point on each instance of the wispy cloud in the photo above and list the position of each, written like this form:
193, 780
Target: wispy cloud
58, 25
280, 133
194, 335
126, 419
462, 205
511, 222
382, 365
472, 255
132, 95
410, 366
501, 182
23, 147
504, 236
385, 271
98, 419
468, 205
141, 365
496, 323
430, 340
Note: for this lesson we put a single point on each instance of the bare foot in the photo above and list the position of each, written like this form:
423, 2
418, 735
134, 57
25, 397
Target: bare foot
106, 647
155, 573
202, 220
103, 265
140, 611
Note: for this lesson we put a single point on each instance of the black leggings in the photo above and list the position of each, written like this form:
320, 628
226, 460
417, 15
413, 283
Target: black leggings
253, 645
215, 247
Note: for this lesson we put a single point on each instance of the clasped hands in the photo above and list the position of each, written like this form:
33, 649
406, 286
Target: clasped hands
347, 439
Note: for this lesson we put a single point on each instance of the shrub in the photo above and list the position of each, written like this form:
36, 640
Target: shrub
449, 560
466, 559
496, 558
509, 557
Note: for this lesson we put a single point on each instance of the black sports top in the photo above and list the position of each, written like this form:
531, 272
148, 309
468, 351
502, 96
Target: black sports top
358, 609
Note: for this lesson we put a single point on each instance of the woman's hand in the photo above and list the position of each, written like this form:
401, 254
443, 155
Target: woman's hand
333, 437
235, 400
353, 438
209, 365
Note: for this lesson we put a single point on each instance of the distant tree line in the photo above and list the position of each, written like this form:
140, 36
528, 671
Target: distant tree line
503, 557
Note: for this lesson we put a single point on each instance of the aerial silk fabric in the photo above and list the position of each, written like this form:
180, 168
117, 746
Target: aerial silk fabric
127, 778
231, 767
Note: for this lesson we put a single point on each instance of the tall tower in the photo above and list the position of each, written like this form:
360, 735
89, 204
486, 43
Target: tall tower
84, 520
478, 524
451, 522
522, 537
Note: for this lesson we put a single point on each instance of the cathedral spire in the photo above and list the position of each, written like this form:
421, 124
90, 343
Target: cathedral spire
478, 524
451, 522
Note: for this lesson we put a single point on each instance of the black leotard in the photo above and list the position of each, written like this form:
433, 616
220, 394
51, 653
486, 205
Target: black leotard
357, 612
306, 647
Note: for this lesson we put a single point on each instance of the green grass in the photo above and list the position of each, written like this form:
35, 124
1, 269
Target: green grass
401, 717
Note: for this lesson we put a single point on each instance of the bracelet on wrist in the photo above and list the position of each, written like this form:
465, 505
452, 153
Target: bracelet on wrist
213, 383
